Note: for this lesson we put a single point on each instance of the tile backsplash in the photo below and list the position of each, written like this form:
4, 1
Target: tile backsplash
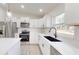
64, 27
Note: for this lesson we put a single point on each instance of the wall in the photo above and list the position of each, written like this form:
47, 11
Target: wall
2, 13
72, 13
58, 10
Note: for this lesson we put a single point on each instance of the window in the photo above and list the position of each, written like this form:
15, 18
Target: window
59, 19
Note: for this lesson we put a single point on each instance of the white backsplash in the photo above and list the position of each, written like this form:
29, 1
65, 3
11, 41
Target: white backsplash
76, 33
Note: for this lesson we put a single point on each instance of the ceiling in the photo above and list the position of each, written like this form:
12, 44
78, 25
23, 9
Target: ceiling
31, 9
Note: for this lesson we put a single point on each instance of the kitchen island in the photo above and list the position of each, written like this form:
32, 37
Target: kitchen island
9, 46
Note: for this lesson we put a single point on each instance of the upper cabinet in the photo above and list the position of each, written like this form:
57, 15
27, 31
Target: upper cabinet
72, 14
47, 21
36, 23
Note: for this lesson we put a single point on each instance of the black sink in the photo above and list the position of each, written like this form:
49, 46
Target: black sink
52, 39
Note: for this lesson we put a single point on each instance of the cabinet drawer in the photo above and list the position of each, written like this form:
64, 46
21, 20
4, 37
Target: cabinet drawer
44, 46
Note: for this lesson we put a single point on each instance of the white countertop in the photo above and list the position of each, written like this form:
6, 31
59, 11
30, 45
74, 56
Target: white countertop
63, 47
6, 44
65, 32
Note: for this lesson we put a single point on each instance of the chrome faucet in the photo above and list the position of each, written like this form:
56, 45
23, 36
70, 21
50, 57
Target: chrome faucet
55, 34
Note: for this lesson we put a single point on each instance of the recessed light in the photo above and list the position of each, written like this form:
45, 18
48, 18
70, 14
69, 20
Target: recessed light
22, 6
41, 10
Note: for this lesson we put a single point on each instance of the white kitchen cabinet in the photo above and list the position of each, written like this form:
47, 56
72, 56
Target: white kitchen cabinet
72, 14
41, 44
47, 21
36, 23
44, 46
34, 35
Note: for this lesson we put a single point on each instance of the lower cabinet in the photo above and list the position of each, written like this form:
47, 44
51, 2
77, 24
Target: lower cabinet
41, 44
46, 48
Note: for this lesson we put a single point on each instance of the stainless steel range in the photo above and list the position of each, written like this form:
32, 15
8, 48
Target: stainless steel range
24, 35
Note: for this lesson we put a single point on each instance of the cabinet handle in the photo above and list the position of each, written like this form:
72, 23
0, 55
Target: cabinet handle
42, 45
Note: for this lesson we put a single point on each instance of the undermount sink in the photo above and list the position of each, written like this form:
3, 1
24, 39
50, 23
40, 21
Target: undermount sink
52, 39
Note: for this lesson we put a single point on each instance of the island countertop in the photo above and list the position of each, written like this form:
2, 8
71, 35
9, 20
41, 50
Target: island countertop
6, 44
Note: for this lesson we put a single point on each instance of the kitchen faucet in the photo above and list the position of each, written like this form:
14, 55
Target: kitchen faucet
55, 34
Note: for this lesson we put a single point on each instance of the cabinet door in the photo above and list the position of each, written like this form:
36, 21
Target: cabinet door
41, 44
46, 48
36, 23
32, 23
72, 13
39, 23
47, 21
34, 36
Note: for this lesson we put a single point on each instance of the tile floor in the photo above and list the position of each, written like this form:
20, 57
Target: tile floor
30, 49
